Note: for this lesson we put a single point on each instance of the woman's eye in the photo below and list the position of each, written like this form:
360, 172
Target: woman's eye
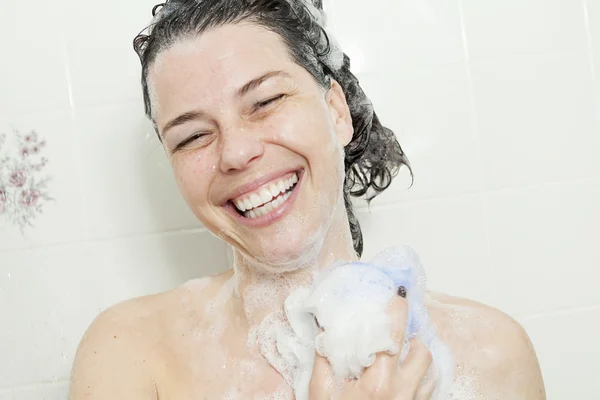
190, 139
265, 103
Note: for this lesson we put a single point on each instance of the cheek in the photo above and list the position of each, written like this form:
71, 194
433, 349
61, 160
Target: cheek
193, 174
304, 130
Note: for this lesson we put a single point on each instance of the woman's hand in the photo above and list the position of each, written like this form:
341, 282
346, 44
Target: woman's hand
385, 379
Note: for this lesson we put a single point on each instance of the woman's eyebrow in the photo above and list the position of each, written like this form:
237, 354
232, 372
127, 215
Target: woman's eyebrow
199, 114
183, 118
254, 83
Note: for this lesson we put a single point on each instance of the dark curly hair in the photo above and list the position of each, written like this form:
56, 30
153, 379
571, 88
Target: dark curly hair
372, 158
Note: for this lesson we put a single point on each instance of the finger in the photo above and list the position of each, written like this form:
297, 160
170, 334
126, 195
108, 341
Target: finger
425, 390
398, 313
386, 365
320, 381
415, 367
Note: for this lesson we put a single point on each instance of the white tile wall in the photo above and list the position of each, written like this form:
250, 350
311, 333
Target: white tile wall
33, 58
99, 41
127, 181
47, 391
514, 28
567, 348
535, 120
497, 104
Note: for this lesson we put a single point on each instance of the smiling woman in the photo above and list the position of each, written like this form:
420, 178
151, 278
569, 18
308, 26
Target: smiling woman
269, 134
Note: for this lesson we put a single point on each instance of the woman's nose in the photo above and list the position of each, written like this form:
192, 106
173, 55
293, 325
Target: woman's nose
240, 147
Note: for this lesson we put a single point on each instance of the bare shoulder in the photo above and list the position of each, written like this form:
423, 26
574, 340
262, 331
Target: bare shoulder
117, 355
492, 350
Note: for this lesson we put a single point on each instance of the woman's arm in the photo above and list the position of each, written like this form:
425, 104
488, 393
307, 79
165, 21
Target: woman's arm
110, 361
507, 360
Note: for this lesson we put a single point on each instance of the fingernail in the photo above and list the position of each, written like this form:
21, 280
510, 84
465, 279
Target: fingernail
402, 291
317, 322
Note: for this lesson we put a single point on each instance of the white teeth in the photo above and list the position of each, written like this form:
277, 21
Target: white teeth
277, 202
268, 207
255, 201
240, 205
261, 203
265, 196
274, 190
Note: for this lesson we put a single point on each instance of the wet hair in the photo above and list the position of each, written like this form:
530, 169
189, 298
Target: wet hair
372, 158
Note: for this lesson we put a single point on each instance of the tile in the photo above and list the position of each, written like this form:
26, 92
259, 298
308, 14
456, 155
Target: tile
593, 17
7, 394
103, 65
566, 345
42, 204
139, 266
47, 300
429, 110
128, 184
398, 32
544, 243
510, 28
535, 120
449, 236
55, 391
33, 74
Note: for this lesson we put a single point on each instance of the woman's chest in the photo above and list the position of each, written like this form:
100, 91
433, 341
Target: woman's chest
213, 370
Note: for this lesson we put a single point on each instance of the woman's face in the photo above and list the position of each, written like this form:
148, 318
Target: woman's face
256, 145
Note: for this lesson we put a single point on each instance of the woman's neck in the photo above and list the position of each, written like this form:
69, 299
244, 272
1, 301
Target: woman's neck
260, 292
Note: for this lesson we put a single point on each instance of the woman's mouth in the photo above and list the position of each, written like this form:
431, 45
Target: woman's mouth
266, 199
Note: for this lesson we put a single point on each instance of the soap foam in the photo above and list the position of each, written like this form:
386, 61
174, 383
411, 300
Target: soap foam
349, 302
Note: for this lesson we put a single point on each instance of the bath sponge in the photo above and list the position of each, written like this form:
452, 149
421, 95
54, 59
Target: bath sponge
344, 317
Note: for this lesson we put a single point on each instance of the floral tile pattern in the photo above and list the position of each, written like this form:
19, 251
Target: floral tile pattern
23, 181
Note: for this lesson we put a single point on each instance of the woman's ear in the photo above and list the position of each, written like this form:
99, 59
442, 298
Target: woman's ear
340, 113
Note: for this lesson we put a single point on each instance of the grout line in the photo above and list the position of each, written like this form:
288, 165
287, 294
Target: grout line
151, 235
566, 311
83, 217
588, 29
9, 389
475, 130
432, 199
121, 238
463, 31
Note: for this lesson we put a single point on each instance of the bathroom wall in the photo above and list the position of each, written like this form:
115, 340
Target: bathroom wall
496, 103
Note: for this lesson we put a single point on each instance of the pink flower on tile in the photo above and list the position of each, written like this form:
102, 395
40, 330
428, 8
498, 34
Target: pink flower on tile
23, 185
2, 200
32, 137
29, 197
18, 179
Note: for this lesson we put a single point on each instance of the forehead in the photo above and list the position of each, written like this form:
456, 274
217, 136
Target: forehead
216, 63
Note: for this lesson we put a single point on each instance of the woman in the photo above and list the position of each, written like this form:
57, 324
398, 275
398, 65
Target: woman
269, 134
